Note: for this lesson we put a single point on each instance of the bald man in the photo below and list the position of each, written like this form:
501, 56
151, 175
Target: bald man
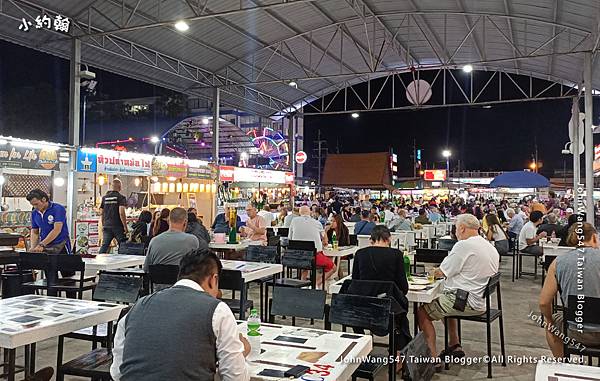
305, 228
114, 221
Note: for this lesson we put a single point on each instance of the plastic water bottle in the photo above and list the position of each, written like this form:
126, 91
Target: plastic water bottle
254, 334
334, 241
407, 265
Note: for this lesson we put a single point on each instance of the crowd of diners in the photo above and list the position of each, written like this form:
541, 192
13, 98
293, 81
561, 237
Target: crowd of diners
188, 318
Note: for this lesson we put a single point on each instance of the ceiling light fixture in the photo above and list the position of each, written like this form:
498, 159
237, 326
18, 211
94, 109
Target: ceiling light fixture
182, 26
468, 68
355, 115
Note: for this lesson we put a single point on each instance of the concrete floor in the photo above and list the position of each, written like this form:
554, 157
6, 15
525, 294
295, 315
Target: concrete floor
523, 336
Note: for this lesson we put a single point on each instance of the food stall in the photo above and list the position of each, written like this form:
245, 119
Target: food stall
242, 185
149, 183
96, 168
26, 165
183, 182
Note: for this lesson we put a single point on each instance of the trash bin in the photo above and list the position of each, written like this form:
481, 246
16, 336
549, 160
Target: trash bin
11, 283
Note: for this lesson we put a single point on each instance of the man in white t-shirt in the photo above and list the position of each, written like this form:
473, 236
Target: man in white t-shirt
305, 228
267, 215
468, 267
528, 238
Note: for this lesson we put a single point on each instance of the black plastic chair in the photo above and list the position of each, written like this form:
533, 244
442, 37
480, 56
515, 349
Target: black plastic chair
432, 256
163, 275
370, 313
69, 264
305, 245
95, 364
283, 232
298, 260
110, 288
232, 280
29, 262
587, 315
487, 317
299, 302
263, 254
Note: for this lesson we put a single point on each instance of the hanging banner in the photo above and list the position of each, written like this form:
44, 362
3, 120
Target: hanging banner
125, 163
28, 158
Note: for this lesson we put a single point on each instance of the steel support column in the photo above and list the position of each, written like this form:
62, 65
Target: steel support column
576, 154
589, 138
74, 106
215, 138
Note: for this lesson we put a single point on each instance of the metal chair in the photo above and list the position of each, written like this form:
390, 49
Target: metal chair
487, 317
586, 315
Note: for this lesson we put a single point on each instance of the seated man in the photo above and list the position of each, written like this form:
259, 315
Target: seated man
180, 333
468, 267
169, 247
528, 238
564, 275
305, 228
422, 218
550, 226
400, 222
287, 221
256, 226
365, 225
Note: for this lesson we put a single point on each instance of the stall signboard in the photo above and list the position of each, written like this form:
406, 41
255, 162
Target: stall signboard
86, 161
254, 175
226, 173
169, 167
201, 170
28, 158
125, 163
435, 175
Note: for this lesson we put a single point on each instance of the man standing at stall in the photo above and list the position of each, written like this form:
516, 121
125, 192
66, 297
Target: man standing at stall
49, 231
114, 221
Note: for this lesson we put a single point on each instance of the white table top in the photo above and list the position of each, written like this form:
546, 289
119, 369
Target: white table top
33, 318
546, 371
242, 245
322, 351
341, 252
113, 261
424, 296
555, 250
252, 270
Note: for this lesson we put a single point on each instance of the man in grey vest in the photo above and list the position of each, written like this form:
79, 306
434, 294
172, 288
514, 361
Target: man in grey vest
180, 333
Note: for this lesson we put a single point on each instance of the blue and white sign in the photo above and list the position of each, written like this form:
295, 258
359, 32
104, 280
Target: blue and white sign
86, 161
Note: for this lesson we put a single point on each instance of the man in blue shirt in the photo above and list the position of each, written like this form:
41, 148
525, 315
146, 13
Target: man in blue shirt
365, 225
49, 231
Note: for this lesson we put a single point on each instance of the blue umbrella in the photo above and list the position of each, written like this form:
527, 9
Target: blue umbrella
520, 179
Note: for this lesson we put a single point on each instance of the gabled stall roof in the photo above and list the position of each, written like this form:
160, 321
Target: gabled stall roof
252, 49
358, 171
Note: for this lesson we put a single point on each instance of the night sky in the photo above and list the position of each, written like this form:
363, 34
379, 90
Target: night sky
34, 94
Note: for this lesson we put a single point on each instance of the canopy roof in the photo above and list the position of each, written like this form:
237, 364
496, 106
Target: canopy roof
253, 52
358, 171
520, 179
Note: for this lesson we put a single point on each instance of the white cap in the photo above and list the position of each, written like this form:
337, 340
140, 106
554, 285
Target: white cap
569, 210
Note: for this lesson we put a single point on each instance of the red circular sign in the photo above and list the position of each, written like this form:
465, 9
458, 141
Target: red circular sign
301, 157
